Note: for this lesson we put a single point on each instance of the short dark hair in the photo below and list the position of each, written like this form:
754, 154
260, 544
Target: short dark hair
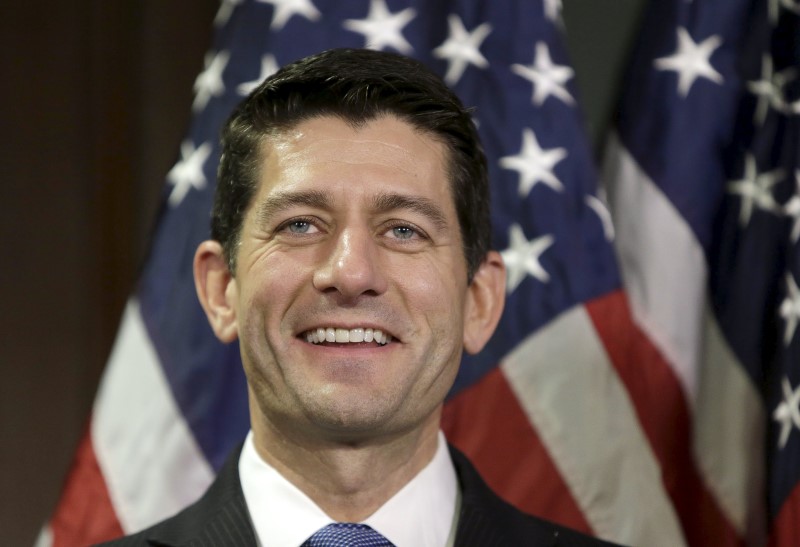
356, 85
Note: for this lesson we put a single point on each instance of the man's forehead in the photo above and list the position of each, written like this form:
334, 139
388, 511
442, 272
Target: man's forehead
386, 140
380, 155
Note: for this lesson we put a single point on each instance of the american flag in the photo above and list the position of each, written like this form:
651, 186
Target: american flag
571, 412
704, 185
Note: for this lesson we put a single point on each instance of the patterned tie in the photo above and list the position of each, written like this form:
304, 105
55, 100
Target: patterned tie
347, 534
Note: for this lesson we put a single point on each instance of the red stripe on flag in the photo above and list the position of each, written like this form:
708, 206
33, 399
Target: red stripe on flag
84, 514
664, 414
486, 422
785, 528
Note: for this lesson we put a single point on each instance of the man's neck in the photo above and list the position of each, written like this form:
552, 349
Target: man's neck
348, 480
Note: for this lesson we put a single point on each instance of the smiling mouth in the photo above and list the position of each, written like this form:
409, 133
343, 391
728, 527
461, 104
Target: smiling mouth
346, 336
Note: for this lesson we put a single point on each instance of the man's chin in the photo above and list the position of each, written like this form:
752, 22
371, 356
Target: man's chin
352, 418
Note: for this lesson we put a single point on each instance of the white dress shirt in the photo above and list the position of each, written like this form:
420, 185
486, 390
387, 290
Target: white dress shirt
421, 514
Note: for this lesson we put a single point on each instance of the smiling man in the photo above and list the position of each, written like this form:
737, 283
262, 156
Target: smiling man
350, 259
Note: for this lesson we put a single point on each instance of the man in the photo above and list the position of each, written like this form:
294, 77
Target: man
350, 258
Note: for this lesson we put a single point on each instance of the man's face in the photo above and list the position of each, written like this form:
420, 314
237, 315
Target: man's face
351, 230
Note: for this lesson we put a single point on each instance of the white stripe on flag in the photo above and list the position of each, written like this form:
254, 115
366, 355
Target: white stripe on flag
729, 431
572, 395
666, 276
45, 537
149, 459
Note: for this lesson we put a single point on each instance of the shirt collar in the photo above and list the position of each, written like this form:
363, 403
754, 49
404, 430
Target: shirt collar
283, 516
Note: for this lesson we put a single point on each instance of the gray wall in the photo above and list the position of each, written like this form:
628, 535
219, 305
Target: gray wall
96, 99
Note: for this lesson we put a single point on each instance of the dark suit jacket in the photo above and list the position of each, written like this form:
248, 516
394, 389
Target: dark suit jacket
220, 518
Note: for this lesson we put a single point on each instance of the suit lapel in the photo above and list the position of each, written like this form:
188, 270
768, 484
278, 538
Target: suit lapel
475, 525
487, 521
220, 518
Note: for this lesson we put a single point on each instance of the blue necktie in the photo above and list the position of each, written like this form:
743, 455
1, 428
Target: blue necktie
347, 534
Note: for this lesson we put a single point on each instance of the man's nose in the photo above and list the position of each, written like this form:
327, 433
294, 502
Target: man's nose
351, 266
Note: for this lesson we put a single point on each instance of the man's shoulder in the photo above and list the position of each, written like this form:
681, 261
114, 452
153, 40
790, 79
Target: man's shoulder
219, 518
487, 520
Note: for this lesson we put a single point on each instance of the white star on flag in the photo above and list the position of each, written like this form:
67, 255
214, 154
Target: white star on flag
787, 412
769, 89
462, 48
534, 164
547, 77
269, 66
790, 309
775, 5
691, 61
792, 208
383, 28
755, 189
791, 5
773, 9
597, 205
552, 9
522, 257
286, 9
188, 172
224, 12
209, 82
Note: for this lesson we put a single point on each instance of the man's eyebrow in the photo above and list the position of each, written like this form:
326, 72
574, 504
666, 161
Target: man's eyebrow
277, 203
385, 203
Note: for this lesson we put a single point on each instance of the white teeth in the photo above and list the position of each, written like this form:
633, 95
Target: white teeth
344, 336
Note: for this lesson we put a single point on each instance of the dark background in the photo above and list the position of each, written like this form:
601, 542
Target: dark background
95, 99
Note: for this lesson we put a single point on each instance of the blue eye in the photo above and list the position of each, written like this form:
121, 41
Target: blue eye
299, 226
403, 232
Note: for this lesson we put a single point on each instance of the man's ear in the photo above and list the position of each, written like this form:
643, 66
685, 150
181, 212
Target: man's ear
216, 289
486, 297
